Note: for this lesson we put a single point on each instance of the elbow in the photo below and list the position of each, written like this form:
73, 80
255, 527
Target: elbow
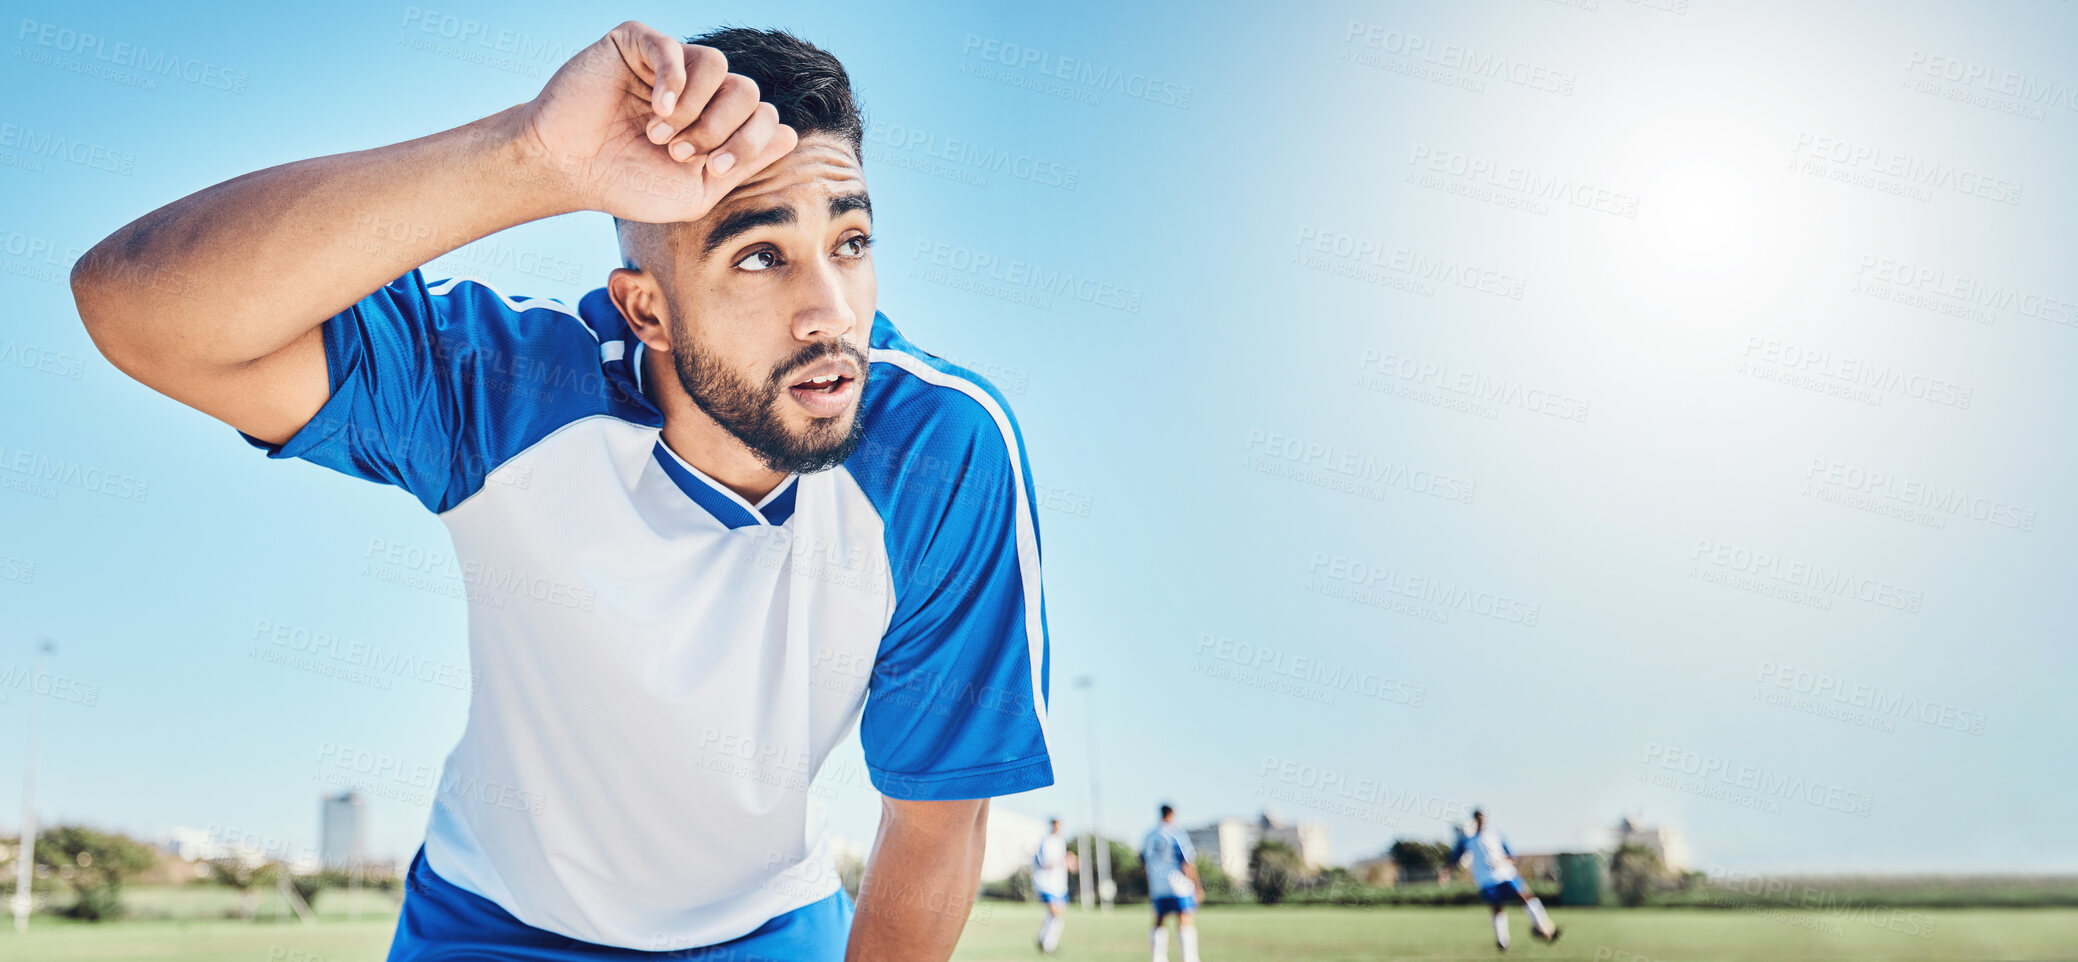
100, 312
123, 304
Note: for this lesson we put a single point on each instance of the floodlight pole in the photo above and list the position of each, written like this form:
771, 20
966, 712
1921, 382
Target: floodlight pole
25, 856
1103, 851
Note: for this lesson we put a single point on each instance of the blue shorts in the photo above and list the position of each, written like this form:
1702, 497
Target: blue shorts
1505, 893
1052, 899
1172, 904
443, 922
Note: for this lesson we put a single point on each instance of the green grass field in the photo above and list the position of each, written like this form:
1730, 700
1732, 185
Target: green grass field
1229, 934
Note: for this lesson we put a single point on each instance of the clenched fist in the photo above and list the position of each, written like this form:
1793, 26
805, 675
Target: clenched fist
649, 129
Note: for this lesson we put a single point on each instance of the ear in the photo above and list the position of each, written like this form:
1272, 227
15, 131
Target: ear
640, 299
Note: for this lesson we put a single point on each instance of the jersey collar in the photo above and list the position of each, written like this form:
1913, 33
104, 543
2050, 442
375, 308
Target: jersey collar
725, 505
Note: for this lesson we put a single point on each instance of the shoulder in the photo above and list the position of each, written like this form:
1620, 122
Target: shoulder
520, 351
931, 425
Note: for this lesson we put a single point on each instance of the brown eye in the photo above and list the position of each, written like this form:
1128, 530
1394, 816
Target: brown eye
754, 257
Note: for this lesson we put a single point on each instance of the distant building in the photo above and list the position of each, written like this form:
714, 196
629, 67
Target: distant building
1381, 871
1230, 841
1662, 840
343, 841
1012, 841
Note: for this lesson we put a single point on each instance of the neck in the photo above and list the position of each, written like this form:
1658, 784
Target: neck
704, 444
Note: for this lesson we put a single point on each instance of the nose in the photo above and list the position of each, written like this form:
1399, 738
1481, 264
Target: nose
823, 309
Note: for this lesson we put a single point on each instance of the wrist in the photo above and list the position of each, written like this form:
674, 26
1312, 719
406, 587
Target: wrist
512, 153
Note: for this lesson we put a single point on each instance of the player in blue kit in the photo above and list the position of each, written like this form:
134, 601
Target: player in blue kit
1172, 885
709, 518
1500, 885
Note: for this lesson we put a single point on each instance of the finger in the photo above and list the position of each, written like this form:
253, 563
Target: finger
754, 146
747, 142
655, 59
665, 58
732, 104
705, 69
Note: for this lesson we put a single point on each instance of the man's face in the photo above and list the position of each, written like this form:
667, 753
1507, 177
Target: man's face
772, 299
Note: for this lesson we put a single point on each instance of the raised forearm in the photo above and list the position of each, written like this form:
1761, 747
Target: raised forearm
921, 883
239, 270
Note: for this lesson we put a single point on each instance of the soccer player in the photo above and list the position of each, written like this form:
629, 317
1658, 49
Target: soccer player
709, 518
1050, 868
1172, 883
1493, 871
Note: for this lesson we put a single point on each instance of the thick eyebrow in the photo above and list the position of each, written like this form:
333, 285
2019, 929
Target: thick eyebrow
751, 219
742, 221
843, 204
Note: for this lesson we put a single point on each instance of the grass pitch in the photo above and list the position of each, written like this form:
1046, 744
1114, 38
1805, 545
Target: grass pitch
1001, 932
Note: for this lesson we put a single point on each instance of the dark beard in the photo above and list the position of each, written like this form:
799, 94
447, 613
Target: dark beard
751, 413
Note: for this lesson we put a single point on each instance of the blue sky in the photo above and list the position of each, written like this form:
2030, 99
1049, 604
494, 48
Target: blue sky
1573, 408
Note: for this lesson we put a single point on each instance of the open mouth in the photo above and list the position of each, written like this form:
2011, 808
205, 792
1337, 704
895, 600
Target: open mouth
828, 389
825, 384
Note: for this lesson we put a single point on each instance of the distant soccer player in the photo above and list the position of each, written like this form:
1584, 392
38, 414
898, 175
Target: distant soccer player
1050, 870
1172, 882
1493, 870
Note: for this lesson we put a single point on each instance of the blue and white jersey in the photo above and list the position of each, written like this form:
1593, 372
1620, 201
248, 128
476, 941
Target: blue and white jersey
661, 666
1492, 862
1164, 853
1050, 865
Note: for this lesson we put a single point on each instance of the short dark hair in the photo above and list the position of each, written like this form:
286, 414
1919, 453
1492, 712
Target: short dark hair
1167, 811
807, 83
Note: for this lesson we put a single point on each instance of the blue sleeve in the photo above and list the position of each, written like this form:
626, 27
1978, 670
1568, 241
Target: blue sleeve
1505, 850
955, 707
1457, 851
434, 386
1185, 851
